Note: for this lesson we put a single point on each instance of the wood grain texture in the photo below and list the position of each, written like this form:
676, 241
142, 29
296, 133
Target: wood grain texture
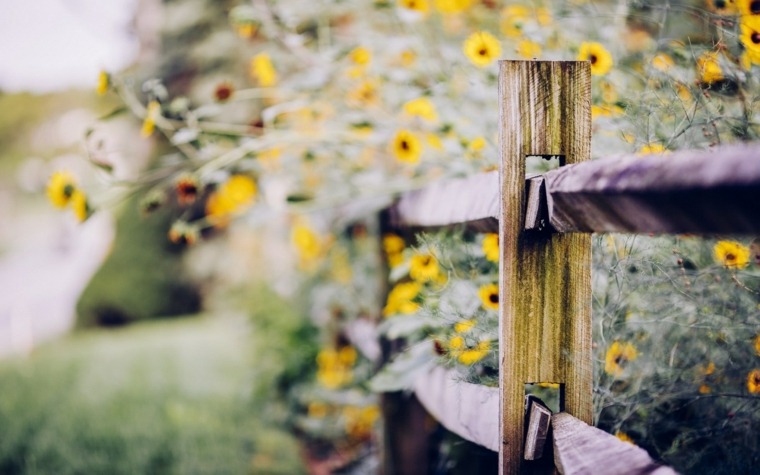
463, 408
715, 191
545, 279
580, 449
449, 202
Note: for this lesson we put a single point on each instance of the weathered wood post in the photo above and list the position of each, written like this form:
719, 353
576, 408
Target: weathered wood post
545, 277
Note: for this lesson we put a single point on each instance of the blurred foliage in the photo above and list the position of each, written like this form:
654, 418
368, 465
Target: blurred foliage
167, 397
142, 277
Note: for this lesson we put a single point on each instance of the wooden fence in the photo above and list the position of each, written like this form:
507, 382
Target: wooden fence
544, 224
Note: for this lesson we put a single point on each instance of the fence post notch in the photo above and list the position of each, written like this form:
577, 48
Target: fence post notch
545, 278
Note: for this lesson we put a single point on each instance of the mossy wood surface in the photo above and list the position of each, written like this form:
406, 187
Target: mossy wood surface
545, 279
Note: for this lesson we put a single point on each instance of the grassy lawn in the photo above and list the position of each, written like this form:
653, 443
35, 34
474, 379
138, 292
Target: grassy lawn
159, 397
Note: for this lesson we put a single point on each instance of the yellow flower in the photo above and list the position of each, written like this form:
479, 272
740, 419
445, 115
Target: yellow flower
528, 49
757, 344
456, 343
753, 381
475, 146
434, 141
359, 421
347, 355
365, 94
482, 48
420, 6
750, 34
489, 296
606, 110
332, 370
464, 326
704, 389
748, 7
80, 205
708, 68
722, 7
263, 70
731, 254
543, 16
601, 59
61, 188
624, 437
471, 356
617, 356
393, 246
449, 7
406, 147
407, 58
152, 113
104, 80
513, 18
306, 242
421, 107
246, 29
491, 247
423, 267
662, 62
360, 56
652, 149
401, 299
234, 196
317, 410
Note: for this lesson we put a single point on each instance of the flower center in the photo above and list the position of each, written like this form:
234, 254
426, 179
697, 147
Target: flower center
404, 145
730, 257
754, 7
425, 260
719, 4
755, 37
493, 298
593, 59
483, 52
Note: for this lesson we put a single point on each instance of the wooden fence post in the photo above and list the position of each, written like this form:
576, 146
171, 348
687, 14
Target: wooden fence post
545, 277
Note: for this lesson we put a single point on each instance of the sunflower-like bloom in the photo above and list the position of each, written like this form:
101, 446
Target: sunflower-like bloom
750, 34
491, 247
360, 56
61, 188
748, 7
365, 94
600, 58
731, 254
528, 49
406, 147
708, 68
489, 296
263, 70
401, 299
618, 354
652, 149
470, 356
306, 242
423, 267
79, 205
722, 7
662, 62
104, 81
233, 197
421, 107
753, 381
464, 326
419, 6
451, 7
333, 370
393, 246
482, 48
152, 112
513, 19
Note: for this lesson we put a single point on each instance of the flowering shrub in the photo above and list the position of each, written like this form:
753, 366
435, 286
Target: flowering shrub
355, 101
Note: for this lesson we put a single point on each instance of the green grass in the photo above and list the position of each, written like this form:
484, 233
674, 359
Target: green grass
160, 397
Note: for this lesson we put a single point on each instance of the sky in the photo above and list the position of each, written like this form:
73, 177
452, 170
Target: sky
52, 45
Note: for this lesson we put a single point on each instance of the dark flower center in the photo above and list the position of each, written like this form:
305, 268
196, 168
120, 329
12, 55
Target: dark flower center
425, 260
404, 145
755, 37
493, 298
754, 7
483, 51
719, 4
68, 190
730, 257
593, 59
